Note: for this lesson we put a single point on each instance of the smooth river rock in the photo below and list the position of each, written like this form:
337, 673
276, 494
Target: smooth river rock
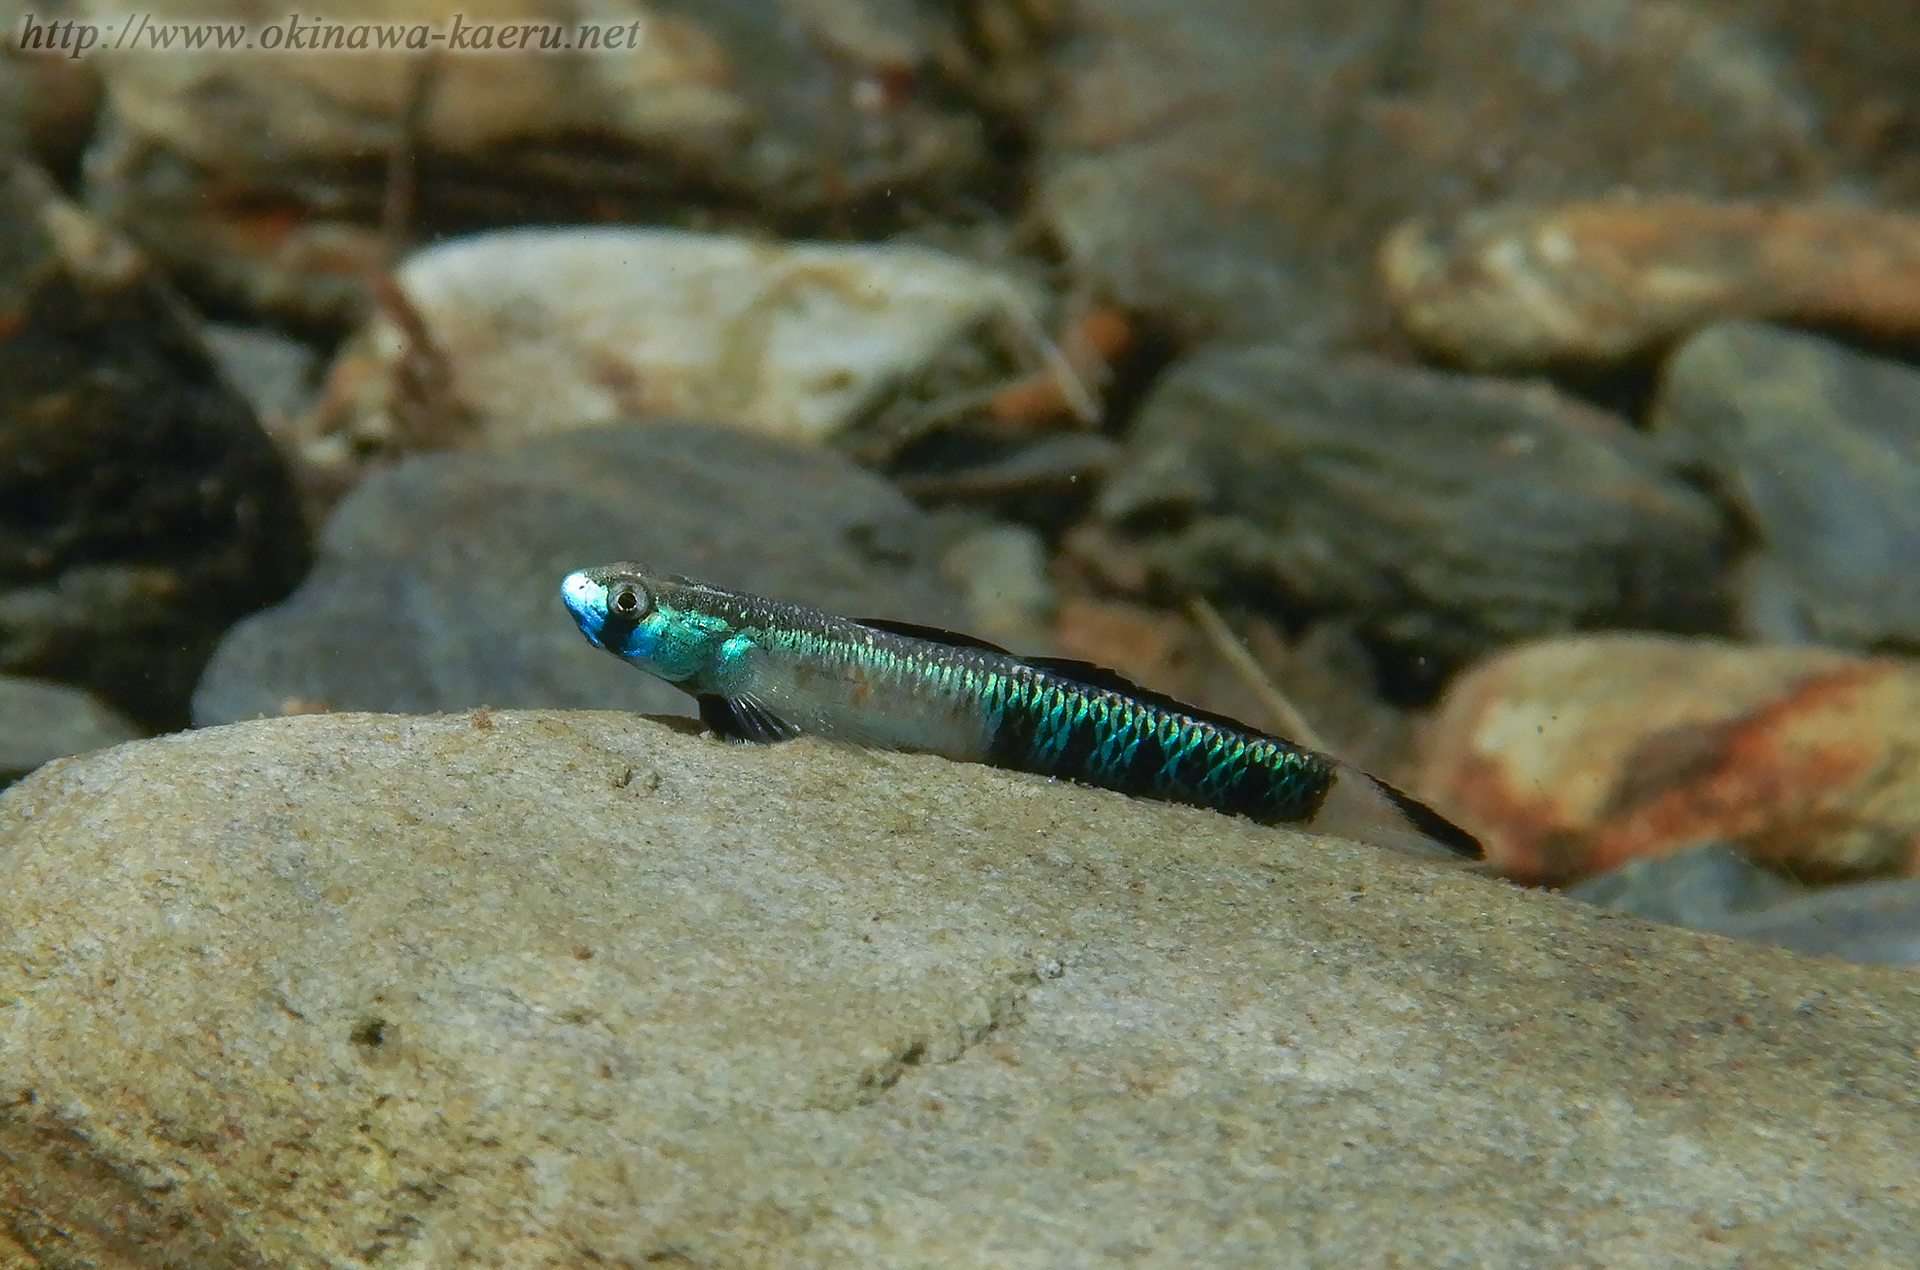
1569, 757
540, 332
1600, 280
1818, 445
1717, 888
437, 586
1443, 513
41, 721
564, 989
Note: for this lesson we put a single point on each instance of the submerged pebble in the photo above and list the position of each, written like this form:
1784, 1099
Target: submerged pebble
542, 330
1818, 447
40, 721
1606, 279
1000, 572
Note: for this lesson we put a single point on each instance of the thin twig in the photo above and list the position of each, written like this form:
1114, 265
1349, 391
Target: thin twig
403, 155
1073, 388
1288, 721
425, 411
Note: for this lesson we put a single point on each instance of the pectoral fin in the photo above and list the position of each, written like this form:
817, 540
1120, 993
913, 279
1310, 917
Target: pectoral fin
741, 719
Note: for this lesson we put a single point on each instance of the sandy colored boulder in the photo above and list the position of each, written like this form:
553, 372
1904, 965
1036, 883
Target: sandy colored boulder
547, 989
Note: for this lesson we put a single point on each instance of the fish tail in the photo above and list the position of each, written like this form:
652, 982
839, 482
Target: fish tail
1368, 809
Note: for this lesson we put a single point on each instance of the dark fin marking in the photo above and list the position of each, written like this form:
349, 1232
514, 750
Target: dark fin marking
1088, 675
1432, 823
932, 634
739, 720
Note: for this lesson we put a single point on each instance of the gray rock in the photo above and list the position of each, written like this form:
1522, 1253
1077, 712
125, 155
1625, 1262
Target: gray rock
142, 510
1819, 447
1443, 512
437, 585
1232, 165
43, 721
1001, 570
277, 375
571, 989
1875, 923
1716, 888
1701, 887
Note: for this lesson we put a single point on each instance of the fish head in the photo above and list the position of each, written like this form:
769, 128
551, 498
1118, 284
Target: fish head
631, 612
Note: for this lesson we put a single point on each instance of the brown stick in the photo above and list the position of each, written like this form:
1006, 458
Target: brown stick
1288, 721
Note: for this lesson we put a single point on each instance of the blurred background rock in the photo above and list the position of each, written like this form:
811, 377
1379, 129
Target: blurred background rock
1435, 367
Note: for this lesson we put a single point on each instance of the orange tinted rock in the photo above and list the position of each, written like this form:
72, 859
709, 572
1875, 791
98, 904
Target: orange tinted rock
1572, 756
1599, 280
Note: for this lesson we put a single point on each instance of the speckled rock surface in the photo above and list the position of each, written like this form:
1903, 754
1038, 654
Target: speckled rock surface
564, 989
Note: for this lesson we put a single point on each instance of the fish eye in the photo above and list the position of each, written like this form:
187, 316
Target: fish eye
628, 602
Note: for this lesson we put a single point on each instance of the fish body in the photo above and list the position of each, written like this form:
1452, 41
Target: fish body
767, 671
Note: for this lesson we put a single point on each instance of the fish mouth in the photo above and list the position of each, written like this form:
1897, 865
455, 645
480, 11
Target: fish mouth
586, 600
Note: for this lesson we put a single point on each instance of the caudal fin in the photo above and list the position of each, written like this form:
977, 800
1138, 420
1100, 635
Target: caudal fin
1366, 809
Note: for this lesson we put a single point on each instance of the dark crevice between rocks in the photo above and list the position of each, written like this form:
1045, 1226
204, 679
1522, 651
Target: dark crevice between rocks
142, 509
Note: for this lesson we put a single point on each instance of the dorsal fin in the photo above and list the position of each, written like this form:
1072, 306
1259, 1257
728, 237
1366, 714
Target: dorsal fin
1087, 674
932, 634
1084, 673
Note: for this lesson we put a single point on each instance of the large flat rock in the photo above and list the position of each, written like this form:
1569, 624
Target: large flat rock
545, 989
